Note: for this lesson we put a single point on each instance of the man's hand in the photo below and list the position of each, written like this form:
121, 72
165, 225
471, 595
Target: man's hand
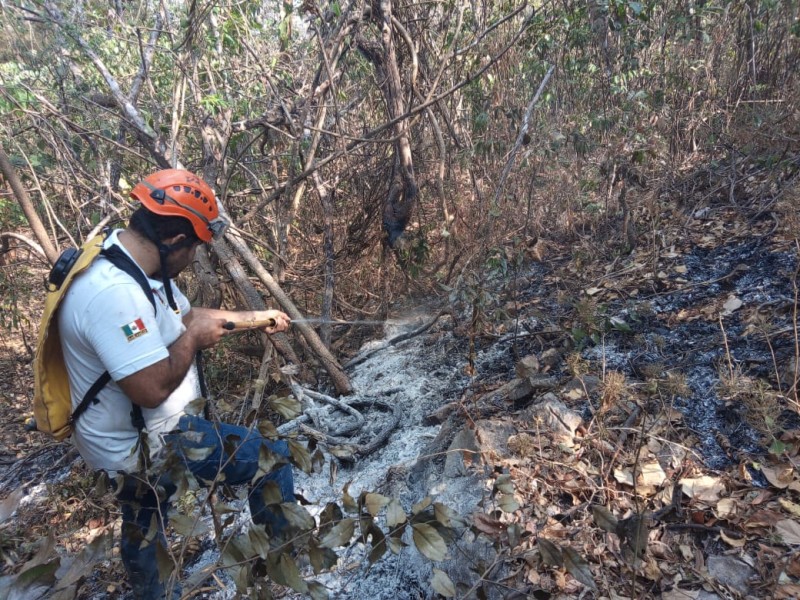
205, 329
282, 320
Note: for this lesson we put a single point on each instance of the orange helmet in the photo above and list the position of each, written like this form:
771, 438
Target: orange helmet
180, 193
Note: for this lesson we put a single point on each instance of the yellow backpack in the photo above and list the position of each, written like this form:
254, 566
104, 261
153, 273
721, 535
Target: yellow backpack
52, 402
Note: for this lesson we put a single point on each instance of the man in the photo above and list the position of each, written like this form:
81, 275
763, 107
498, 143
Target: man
147, 342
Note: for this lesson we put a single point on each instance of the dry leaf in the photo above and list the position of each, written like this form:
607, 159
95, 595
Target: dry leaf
736, 542
763, 518
793, 566
604, 518
651, 569
731, 304
789, 530
703, 489
652, 475
789, 506
578, 567
727, 508
677, 594
780, 477
624, 476
787, 592
488, 525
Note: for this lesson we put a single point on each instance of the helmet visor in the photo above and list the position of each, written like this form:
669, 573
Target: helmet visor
218, 227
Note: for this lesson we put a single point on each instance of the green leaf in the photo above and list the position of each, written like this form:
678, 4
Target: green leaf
317, 591
348, 501
222, 508
514, 533
283, 570
429, 542
317, 461
271, 493
321, 559
34, 582
197, 454
442, 584
297, 516
300, 456
187, 525
395, 515
287, 407
241, 577
196, 408
620, 325
777, 447
365, 524
152, 532
329, 516
375, 502
447, 516
10, 504
507, 503
267, 461
344, 452
259, 541
504, 484
578, 568
378, 541
604, 519
421, 505
551, 554
340, 535
268, 430
396, 545
44, 554
164, 561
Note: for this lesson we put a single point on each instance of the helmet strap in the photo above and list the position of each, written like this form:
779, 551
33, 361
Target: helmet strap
163, 252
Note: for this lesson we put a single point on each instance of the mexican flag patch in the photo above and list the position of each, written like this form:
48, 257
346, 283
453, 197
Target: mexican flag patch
134, 329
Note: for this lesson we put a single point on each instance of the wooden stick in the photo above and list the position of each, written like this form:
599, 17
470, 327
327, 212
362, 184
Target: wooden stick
245, 325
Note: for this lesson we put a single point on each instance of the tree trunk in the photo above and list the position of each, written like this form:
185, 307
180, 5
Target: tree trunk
326, 199
340, 380
10, 173
253, 299
403, 189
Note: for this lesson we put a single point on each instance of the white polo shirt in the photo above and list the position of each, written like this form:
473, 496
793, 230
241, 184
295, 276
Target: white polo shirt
107, 323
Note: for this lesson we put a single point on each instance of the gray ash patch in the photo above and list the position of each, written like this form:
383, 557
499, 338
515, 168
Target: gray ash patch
698, 347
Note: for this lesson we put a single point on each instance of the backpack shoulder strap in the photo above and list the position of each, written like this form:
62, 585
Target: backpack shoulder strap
117, 257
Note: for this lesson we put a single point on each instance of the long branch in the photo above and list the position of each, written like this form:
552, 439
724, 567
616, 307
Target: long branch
368, 138
146, 134
521, 135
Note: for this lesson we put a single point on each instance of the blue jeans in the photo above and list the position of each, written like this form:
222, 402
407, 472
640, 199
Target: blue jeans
235, 452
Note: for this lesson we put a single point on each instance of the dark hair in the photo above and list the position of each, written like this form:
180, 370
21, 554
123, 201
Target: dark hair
143, 221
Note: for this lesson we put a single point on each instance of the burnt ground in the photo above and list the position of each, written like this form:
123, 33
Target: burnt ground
683, 355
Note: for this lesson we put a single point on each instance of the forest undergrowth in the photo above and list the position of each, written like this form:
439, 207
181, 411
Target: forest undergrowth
638, 498
598, 201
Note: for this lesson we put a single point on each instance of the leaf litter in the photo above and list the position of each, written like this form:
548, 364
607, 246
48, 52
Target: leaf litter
669, 483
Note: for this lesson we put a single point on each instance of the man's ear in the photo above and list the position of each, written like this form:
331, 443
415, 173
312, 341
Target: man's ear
175, 239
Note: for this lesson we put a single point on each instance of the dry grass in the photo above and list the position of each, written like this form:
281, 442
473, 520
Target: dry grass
614, 388
762, 403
